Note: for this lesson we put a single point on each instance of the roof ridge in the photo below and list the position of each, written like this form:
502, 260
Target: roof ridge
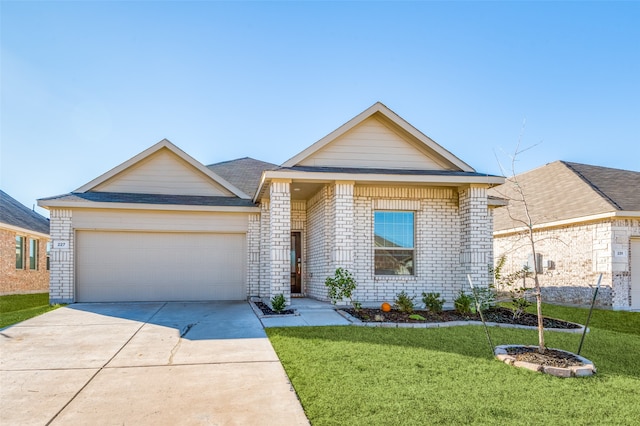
591, 184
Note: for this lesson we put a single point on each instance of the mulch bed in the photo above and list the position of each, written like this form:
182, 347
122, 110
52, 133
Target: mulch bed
266, 309
497, 315
550, 357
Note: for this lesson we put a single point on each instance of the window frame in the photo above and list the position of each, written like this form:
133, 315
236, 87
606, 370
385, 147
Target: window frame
20, 263
48, 251
378, 272
34, 245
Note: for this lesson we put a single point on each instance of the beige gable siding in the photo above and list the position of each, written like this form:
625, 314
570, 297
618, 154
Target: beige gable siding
163, 173
129, 220
372, 144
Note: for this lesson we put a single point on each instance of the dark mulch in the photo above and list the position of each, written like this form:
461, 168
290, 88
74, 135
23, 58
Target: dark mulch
266, 309
497, 314
550, 357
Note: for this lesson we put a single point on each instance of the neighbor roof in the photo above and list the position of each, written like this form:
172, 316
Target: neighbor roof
15, 214
244, 173
562, 190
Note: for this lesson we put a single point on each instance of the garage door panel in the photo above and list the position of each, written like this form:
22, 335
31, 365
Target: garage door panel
144, 266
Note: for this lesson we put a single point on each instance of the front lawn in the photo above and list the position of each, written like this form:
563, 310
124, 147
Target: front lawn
382, 376
19, 307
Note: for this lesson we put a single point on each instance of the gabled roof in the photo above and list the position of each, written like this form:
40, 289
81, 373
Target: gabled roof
391, 119
163, 144
17, 215
562, 191
245, 173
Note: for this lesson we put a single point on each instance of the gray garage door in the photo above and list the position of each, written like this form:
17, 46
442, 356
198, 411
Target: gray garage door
159, 266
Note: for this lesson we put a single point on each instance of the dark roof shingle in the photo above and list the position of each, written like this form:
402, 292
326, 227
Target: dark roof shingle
244, 173
15, 214
126, 197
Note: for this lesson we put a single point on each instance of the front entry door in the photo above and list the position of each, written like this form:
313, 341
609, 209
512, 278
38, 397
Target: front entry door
296, 262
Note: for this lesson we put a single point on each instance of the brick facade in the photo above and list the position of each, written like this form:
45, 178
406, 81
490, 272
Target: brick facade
337, 225
61, 283
573, 256
24, 280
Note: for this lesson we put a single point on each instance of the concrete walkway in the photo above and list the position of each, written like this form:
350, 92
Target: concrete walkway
310, 312
144, 364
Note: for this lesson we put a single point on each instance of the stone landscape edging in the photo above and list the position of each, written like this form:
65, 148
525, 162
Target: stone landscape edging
585, 370
358, 322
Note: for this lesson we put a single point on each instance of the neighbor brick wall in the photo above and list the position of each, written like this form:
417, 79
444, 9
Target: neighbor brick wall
26, 280
579, 254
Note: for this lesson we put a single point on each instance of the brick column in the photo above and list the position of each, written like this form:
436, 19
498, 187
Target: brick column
476, 236
265, 252
61, 285
280, 238
343, 216
253, 255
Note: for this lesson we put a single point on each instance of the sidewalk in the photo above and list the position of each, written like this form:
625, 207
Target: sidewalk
309, 312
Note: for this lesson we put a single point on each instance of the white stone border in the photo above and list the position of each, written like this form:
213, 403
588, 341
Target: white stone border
358, 322
585, 370
261, 315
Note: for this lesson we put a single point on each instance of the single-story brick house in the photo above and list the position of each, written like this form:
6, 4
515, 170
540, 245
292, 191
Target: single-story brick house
375, 196
24, 244
586, 223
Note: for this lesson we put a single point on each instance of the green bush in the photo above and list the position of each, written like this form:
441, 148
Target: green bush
463, 303
341, 285
486, 297
278, 303
403, 302
432, 301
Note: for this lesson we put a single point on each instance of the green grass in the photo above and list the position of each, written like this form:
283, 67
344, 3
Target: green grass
382, 376
19, 307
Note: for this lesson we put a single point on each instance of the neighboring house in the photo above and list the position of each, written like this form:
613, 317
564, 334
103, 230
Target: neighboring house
586, 222
24, 243
375, 196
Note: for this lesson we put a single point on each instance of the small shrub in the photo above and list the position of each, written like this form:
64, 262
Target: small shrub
356, 305
463, 303
403, 302
278, 303
432, 301
519, 302
341, 285
486, 297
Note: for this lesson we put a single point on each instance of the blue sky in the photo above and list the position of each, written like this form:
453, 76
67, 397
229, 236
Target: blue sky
85, 85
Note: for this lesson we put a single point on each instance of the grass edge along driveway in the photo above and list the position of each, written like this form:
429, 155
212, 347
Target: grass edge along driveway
15, 308
380, 376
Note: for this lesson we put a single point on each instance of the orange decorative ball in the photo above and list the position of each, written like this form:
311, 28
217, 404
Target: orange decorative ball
385, 307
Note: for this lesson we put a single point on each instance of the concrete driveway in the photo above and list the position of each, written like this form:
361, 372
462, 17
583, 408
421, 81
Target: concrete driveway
144, 364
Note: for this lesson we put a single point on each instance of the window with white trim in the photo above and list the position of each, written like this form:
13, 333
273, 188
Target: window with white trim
394, 241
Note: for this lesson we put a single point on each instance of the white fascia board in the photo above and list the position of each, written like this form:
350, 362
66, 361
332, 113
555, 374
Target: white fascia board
140, 206
382, 178
23, 231
572, 221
